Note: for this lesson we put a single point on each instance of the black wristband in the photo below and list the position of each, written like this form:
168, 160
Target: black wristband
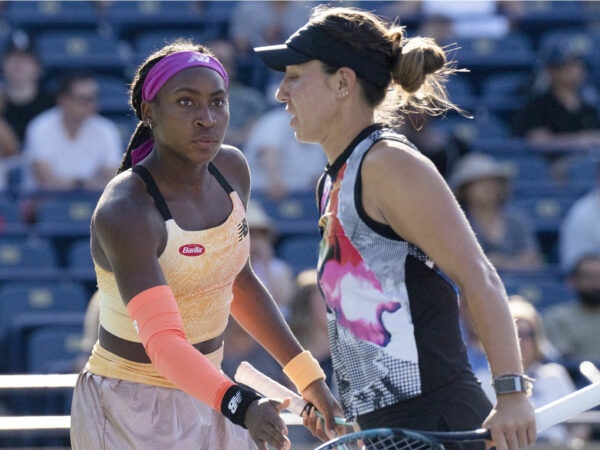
235, 402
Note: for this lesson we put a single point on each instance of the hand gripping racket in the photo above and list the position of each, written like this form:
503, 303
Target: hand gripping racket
400, 439
247, 374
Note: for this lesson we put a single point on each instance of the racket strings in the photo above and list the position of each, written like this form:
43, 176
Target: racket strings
390, 442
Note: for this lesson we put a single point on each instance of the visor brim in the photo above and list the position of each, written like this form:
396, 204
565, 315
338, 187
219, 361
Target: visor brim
278, 57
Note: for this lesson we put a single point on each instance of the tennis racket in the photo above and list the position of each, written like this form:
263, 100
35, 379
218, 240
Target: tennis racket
401, 439
247, 374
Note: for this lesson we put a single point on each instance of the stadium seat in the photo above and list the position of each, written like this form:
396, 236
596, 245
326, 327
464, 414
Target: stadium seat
42, 299
505, 92
43, 15
301, 251
64, 217
53, 349
113, 95
130, 18
62, 50
147, 42
28, 258
528, 168
295, 214
80, 265
514, 51
541, 294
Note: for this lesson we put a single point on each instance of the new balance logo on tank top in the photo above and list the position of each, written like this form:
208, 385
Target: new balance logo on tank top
392, 316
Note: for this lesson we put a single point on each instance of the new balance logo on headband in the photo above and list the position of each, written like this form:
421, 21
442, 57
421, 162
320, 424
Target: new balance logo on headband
199, 57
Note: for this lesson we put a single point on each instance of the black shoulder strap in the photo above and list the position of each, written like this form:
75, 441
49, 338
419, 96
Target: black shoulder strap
220, 178
153, 190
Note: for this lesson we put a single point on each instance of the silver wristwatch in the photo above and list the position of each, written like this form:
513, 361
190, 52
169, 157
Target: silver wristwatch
511, 383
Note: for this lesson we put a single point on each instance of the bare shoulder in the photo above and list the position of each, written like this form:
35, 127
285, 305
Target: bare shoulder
231, 162
398, 162
123, 203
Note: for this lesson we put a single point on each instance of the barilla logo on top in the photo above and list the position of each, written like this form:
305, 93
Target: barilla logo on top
191, 250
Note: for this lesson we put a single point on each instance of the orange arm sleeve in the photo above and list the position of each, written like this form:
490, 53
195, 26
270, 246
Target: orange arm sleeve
158, 322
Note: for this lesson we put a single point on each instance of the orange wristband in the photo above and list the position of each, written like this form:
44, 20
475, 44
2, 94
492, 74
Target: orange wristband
158, 322
303, 369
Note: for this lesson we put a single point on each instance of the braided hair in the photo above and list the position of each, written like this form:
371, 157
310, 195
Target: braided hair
142, 131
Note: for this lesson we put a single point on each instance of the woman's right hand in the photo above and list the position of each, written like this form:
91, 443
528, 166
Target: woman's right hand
265, 424
319, 395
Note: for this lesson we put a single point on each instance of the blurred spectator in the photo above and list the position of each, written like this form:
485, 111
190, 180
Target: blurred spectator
483, 18
552, 379
572, 326
308, 321
558, 118
279, 163
275, 273
247, 103
254, 24
71, 146
441, 145
580, 229
482, 187
23, 92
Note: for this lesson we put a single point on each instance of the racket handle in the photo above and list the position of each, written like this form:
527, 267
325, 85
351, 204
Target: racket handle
247, 374
251, 377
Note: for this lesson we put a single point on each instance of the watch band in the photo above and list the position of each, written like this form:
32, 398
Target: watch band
512, 383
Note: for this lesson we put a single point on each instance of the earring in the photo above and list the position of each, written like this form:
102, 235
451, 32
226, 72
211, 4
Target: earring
149, 123
343, 94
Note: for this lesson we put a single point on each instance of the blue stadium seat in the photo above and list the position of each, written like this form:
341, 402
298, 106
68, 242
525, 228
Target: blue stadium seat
11, 219
147, 42
113, 95
130, 18
296, 213
301, 251
62, 50
44, 300
44, 15
528, 168
28, 258
514, 51
505, 92
53, 349
60, 217
80, 265
541, 293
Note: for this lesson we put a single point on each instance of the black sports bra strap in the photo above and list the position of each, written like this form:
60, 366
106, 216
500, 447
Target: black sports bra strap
220, 178
153, 190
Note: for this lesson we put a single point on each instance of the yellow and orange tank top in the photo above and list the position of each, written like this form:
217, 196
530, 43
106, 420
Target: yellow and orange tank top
200, 267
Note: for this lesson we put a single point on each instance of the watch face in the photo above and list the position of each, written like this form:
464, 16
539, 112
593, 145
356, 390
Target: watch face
512, 383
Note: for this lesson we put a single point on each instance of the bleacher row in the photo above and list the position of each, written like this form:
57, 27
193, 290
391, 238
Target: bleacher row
45, 266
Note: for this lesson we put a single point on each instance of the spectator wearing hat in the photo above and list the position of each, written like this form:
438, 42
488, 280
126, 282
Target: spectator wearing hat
275, 273
482, 187
559, 119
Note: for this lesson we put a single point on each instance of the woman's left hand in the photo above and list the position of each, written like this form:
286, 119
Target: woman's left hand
512, 422
319, 395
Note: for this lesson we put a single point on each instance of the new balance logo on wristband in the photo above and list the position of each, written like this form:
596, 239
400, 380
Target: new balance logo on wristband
235, 402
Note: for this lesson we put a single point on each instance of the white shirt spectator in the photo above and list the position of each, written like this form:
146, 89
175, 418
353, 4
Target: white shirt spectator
96, 147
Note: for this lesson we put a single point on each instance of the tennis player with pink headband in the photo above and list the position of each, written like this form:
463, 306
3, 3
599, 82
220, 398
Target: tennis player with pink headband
170, 246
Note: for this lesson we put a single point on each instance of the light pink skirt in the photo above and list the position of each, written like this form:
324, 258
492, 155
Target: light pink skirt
112, 414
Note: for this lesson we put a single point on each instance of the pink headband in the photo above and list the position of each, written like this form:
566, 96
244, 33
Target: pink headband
175, 63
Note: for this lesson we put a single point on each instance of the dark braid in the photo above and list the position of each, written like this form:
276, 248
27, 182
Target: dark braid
142, 132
